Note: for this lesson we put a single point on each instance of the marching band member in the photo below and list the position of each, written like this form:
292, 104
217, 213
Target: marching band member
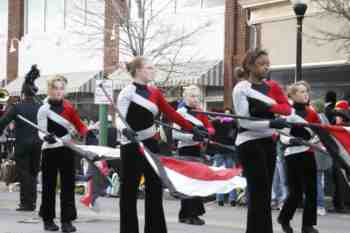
301, 163
254, 96
59, 117
188, 145
27, 146
139, 103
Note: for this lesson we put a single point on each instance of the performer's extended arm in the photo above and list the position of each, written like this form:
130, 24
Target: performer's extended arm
171, 114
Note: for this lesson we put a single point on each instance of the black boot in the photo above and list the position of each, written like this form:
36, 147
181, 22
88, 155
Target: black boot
285, 226
68, 227
50, 226
309, 229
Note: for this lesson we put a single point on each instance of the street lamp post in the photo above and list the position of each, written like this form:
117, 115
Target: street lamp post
300, 8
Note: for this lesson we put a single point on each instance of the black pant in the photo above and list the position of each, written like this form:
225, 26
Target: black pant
302, 178
133, 166
27, 158
56, 160
192, 207
258, 158
339, 187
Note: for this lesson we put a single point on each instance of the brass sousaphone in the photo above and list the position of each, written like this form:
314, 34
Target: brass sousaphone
4, 96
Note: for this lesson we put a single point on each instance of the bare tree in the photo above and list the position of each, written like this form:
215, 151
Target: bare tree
340, 9
144, 30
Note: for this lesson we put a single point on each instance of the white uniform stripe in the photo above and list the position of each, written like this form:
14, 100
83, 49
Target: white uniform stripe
145, 103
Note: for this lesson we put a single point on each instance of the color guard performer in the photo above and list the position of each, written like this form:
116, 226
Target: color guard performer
59, 117
254, 96
188, 145
301, 163
139, 103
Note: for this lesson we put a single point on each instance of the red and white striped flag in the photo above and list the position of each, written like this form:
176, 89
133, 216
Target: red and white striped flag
188, 178
183, 178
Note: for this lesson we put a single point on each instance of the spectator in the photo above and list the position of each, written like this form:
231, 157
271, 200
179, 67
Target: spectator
330, 101
225, 133
323, 162
279, 184
341, 114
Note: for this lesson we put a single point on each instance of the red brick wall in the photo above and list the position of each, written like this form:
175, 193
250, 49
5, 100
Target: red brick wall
236, 44
111, 47
15, 30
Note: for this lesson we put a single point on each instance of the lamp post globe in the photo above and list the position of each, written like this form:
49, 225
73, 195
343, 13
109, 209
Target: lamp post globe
299, 7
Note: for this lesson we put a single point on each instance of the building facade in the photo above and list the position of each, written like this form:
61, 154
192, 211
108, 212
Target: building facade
325, 63
44, 32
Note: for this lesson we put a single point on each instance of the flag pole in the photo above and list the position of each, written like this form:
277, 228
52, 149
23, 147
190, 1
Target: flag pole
85, 154
182, 131
305, 143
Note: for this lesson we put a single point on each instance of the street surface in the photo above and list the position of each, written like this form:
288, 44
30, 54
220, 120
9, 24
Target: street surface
218, 219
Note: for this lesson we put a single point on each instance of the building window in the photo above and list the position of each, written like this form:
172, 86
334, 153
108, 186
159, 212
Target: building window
3, 17
54, 12
83, 13
180, 4
3, 38
189, 3
53, 15
212, 3
35, 16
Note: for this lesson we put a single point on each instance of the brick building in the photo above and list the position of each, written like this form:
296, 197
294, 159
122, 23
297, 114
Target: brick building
39, 32
276, 22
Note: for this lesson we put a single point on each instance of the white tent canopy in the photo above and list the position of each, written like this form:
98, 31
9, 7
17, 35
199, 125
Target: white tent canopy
76, 82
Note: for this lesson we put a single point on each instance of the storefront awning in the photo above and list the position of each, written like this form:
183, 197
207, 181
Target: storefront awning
77, 82
204, 73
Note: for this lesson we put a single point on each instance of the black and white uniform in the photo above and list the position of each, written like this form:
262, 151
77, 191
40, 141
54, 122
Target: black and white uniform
139, 105
193, 207
301, 169
256, 147
61, 119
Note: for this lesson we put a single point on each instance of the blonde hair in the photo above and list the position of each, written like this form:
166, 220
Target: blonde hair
190, 89
55, 78
136, 63
293, 88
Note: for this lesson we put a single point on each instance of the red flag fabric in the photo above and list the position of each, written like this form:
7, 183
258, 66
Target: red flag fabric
336, 139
